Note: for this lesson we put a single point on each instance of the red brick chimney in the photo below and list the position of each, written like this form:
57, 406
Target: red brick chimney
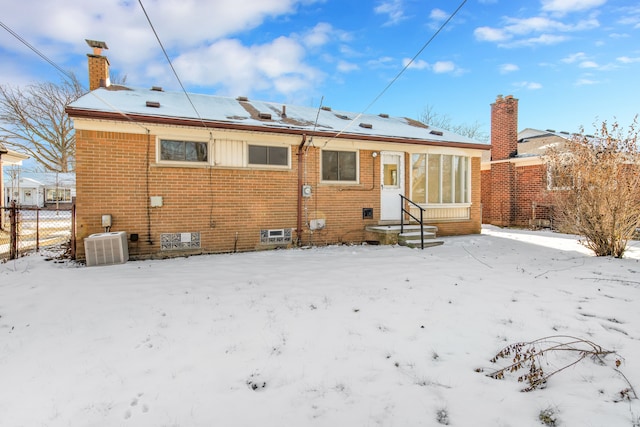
504, 128
98, 65
500, 196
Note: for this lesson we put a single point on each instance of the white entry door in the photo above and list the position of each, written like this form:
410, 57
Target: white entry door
392, 185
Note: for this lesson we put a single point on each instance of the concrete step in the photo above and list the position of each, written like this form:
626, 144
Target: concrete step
415, 243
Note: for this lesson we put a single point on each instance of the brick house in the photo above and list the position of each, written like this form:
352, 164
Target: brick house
211, 174
516, 188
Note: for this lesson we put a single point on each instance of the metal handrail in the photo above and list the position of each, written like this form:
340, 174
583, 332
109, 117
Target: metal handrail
421, 220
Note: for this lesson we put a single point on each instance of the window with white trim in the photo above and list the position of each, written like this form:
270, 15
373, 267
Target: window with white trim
440, 179
183, 151
339, 166
268, 155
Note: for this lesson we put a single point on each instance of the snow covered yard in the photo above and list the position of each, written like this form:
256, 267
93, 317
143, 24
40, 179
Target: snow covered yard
335, 336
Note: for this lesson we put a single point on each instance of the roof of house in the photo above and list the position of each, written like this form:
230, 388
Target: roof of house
157, 106
11, 157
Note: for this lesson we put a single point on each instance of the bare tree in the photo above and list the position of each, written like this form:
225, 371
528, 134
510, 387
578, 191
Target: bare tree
32, 119
598, 178
443, 121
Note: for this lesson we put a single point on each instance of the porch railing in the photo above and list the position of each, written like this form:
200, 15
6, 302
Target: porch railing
403, 202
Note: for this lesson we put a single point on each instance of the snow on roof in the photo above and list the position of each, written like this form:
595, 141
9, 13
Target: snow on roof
243, 112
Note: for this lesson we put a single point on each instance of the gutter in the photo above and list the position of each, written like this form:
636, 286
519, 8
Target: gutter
300, 183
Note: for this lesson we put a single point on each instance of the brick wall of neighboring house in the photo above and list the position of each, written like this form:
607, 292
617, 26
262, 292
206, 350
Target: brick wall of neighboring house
530, 187
117, 173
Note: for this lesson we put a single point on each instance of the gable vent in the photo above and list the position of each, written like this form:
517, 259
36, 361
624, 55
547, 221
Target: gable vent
242, 99
436, 132
153, 104
157, 88
384, 115
265, 116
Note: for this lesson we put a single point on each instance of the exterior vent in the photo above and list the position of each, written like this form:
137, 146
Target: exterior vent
436, 132
265, 116
106, 248
342, 116
366, 125
157, 88
280, 236
551, 130
153, 104
384, 115
242, 99
325, 108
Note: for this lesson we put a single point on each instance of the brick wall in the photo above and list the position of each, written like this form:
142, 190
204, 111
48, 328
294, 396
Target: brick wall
116, 174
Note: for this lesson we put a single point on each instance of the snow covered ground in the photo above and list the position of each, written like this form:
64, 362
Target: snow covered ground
333, 336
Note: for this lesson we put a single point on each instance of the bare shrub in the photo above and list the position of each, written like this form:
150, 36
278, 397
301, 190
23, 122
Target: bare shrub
596, 179
524, 359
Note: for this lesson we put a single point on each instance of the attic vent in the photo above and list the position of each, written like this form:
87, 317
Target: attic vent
384, 115
242, 99
265, 116
436, 132
342, 116
366, 125
154, 104
325, 108
550, 130
564, 132
157, 88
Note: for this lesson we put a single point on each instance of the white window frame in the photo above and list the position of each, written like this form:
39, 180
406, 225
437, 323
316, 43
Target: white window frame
341, 182
266, 166
467, 183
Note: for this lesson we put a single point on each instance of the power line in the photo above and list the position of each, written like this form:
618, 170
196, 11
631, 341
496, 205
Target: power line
428, 42
37, 52
175, 73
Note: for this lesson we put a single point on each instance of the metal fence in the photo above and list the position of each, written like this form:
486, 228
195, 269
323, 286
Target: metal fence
26, 229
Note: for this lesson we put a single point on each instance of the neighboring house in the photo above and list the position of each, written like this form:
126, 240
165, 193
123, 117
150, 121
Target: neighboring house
25, 192
8, 158
49, 190
516, 186
239, 174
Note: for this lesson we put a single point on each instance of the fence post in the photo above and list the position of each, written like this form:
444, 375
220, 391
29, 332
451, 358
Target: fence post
13, 239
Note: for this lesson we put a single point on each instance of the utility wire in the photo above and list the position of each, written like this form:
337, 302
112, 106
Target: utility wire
428, 42
72, 79
175, 73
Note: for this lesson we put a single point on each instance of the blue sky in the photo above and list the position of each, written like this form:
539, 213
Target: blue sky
569, 62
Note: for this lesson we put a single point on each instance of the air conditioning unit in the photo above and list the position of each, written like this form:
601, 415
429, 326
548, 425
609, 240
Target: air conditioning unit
106, 248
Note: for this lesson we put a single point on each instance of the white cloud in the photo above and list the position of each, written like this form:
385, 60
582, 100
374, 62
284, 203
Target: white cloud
242, 69
585, 82
588, 64
318, 35
508, 68
393, 9
532, 31
628, 60
347, 67
443, 67
488, 34
528, 85
438, 15
565, 6
574, 57
415, 65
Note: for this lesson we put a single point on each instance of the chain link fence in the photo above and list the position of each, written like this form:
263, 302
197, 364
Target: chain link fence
25, 229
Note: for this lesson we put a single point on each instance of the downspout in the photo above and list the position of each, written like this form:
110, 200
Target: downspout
300, 165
